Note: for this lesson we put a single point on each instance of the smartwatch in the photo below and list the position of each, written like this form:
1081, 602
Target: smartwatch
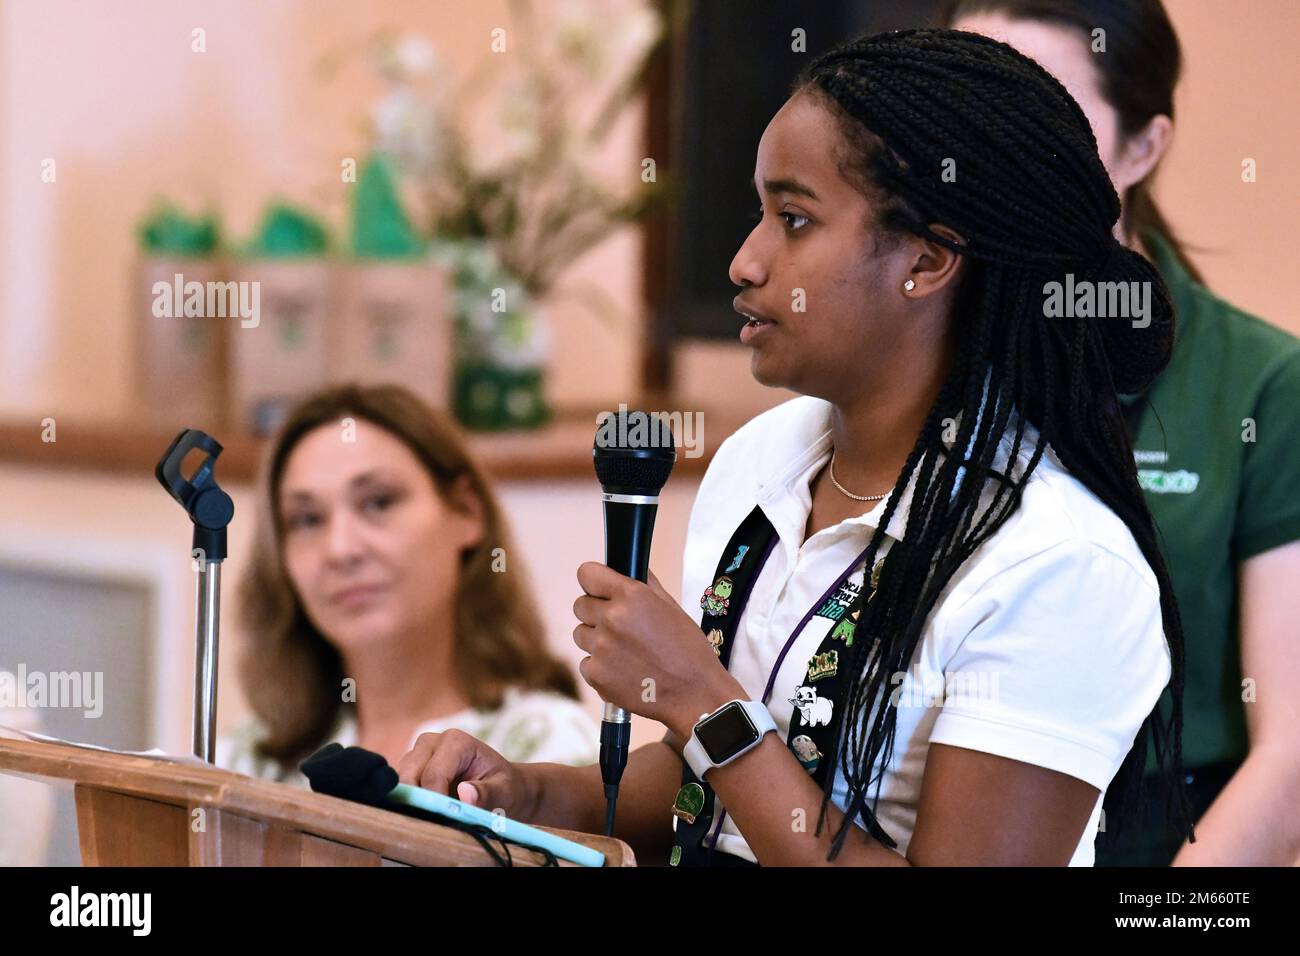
730, 731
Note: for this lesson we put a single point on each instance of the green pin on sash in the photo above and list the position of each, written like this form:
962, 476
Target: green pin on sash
689, 802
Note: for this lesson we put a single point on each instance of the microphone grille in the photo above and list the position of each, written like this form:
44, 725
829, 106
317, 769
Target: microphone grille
633, 453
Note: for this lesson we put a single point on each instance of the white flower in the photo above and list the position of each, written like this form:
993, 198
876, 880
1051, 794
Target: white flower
521, 338
520, 113
416, 55
634, 33
594, 39
406, 127
577, 39
406, 58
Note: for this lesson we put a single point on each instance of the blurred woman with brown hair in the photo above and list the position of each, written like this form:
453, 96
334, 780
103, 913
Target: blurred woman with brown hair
384, 599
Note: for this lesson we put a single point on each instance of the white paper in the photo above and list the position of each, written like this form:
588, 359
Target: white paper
154, 754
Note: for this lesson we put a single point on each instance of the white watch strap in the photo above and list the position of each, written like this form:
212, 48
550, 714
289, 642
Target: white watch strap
698, 759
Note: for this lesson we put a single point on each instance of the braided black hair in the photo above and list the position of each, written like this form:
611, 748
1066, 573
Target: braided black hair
1031, 201
1137, 77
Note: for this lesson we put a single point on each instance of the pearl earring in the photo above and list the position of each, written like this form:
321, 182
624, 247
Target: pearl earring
909, 285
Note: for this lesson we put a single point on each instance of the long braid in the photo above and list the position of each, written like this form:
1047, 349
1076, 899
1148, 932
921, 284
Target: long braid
1031, 201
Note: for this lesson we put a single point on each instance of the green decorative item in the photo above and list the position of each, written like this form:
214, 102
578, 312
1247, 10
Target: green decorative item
290, 332
384, 344
195, 336
167, 231
490, 398
287, 233
501, 343
689, 802
380, 228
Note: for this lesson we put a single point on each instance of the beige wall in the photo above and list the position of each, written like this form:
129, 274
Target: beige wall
1238, 100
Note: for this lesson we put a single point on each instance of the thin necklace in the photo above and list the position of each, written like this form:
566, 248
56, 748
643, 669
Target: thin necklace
849, 493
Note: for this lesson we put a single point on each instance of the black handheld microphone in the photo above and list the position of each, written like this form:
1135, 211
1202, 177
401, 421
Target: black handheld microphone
634, 454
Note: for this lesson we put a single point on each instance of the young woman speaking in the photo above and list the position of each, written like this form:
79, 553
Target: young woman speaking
932, 575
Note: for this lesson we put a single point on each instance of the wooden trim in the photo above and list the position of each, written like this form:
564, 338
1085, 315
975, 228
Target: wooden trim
561, 449
117, 829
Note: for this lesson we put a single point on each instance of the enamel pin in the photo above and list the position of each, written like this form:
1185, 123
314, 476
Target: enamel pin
689, 802
740, 556
807, 752
823, 665
813, 710
717, 598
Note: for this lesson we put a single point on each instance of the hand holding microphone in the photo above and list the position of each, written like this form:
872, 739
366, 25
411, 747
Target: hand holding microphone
633, 453
647, 656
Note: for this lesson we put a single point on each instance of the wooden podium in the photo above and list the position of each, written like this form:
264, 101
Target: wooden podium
146, 811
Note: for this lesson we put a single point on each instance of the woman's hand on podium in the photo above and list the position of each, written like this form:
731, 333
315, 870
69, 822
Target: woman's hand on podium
461, 766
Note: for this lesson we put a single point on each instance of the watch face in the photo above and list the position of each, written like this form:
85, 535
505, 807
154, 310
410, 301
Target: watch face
726, 733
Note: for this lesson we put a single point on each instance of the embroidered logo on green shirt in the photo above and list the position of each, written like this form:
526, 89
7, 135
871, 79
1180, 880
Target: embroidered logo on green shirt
1179, 482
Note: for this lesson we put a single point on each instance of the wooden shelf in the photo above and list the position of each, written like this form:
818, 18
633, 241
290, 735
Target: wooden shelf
561, 449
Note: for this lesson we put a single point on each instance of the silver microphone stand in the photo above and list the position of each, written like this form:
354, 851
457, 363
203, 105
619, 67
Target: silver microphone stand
210, 509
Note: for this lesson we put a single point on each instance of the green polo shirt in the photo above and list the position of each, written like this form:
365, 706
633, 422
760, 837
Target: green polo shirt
1218, 457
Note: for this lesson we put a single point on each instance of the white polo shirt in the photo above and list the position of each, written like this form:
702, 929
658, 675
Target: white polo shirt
1045, 647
